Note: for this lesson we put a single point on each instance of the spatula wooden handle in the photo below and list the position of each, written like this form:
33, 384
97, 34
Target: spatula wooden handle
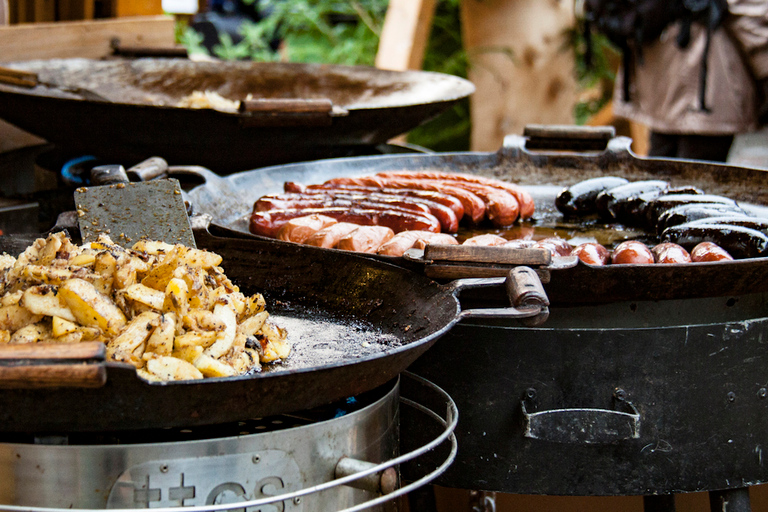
43, 365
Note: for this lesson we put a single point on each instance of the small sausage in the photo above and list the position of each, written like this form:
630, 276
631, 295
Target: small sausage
668, 252
365, 239
299, 229
486, 240
592, 253
557, 246
632, 252
614, 203
437, 239
329, 236
708, 251
405, 240
739, 241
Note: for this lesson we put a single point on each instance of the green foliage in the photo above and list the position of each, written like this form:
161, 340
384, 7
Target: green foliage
595, 78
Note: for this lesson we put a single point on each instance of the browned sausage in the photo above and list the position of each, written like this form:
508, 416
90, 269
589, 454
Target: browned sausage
557, 246
290, 201
365, 239
404, 240
474, 207
632, 252
709, 251
437, 239
299, 229
501, 207
524, 199
521, 243
329, 236
486, 240
269, 223
592, 253
668, 252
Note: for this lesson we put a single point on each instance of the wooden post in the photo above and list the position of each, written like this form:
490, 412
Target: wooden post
4, 12
521, 65
405, 34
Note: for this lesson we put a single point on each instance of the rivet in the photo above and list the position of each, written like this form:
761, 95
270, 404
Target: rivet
762, 393
164, 468
297, 500
731, 396
620, 394
255, 459
530, 393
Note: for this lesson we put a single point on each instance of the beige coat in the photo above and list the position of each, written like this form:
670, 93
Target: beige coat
664, 90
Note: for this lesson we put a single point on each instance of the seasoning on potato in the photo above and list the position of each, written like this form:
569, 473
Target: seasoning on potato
168, 310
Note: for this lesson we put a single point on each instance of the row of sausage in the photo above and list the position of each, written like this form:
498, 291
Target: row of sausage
685, 216
431, 201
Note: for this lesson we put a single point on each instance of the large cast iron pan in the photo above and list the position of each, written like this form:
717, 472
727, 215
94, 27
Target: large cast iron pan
545, 172
355, 324
139, 120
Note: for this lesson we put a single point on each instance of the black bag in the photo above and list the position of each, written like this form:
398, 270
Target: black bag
629, 24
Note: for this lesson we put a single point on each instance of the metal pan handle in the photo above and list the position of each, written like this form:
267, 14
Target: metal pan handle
601, 140
45, 365
529, 301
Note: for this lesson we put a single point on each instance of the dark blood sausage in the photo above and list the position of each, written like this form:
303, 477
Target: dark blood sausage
579, 199
524, 199
632, 252
758, 223
474, 207
612, 203
690, 212
707, 251
592, 253
269, 223
668, 252
664, 202
740, 242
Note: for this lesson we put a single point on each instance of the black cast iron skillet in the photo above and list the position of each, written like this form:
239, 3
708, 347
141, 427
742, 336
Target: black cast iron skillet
355, 324
545, 161
314, 111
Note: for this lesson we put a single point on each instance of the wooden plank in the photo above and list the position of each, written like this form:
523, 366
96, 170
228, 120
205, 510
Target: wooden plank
71, 10
521, 73
405, 34
44, 10
88, 39
122, 8
5, 12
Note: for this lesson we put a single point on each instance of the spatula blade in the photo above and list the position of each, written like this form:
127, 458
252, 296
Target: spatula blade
128, 212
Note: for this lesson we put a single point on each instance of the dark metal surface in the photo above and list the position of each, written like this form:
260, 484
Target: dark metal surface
141, 120
348, 301
692, 369
230, 200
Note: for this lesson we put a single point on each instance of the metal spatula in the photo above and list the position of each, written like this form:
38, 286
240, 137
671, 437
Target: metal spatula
130, 211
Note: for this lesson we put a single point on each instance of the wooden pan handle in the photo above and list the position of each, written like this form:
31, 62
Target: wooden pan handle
45, 365
16, 77
287, 105
482, 254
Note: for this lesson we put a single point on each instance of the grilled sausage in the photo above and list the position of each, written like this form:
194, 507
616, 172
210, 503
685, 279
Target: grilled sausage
501, 207
269, 223
557, 246
708, 251
486, 240
405, 240
300, 228
617, 202
365, 239
329, 237
579, 199
521, 243
668, 252
690, 212
592, 253
430, 195
474, 207
738, 241
524, 199
631, 252
664, 202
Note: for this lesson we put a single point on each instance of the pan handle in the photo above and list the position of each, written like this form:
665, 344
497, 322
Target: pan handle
45, 365
529, 301
601, 140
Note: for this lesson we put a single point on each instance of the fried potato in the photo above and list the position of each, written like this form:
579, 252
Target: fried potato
168, 310
90, 307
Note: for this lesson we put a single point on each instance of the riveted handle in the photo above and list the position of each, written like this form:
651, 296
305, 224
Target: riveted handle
45, 365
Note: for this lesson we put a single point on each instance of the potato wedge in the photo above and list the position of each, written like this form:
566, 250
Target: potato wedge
133, 336
44, 300
15, 317
160, 342
62, 326
225, 338
211, 367
146, 295
171, 368
90, 307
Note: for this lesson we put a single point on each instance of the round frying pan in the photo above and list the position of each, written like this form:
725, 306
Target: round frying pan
125, 111
544, 172
354, 324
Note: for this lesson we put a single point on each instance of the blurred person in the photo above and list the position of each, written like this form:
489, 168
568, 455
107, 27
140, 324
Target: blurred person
695, 72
